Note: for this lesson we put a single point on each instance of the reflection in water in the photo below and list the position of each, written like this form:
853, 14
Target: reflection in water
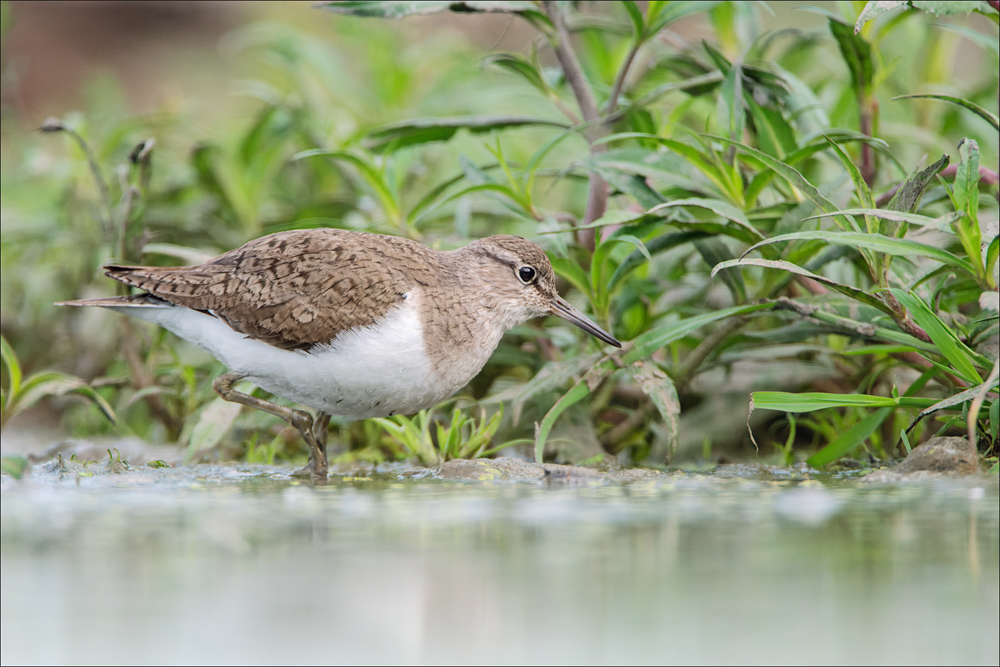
166, 566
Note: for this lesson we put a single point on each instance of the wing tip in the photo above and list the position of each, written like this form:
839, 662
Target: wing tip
133, 301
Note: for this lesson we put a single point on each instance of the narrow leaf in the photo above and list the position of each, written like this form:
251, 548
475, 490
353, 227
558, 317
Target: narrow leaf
577, 392
873, 9
942, 223
654, 339
215, 420
990, 118
13, 367
960, 356
907, 198
423, 130
876, 242
717, 206
658, 386
849, 439
857, 54
847, 290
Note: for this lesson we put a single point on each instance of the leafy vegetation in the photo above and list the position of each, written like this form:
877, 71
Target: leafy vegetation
807, 217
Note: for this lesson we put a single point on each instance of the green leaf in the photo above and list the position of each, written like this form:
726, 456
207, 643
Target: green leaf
865, 196
761, 180
215, 420
907, 198
628, 238
953, 349
423, 130
388, 9
857, 54
966, 197
853, 292
715, 253
717, 206
578, 391
952, 401
788, 173
966, 187
653, 340
774, 135
660, 389
635, 16
942, 223
698, 159
876, 242
15, 466
571, 271
658, 244
673, 11
948, 7
732, 115
849, 439
365, 168
812, 401
992, 119
661, 90
873, 9
515, 62
13, 367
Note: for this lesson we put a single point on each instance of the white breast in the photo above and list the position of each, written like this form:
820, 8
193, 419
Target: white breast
365, 372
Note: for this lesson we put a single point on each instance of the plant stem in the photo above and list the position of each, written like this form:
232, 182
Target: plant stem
95, 170
616, 89
597, 195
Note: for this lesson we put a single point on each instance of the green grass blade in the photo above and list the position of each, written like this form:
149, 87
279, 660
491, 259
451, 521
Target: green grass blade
578, 391
990, 118
865, 196
954, 350
849, 439
876, 242
13, 368
853, 292
811, 401
790, 174
717, 206
941, 223
653, 340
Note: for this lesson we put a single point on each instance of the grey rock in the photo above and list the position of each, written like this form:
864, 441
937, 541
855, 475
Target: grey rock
934, 458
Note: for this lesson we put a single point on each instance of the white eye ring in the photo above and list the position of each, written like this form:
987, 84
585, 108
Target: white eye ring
526, 274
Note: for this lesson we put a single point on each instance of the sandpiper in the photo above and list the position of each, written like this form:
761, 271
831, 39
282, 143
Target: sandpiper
351, 324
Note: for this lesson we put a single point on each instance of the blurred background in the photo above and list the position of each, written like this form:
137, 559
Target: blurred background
193, 114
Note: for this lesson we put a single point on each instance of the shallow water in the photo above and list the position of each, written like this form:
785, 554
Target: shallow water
245, 565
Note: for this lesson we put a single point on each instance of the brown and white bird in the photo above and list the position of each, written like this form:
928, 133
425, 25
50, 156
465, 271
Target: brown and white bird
351, 324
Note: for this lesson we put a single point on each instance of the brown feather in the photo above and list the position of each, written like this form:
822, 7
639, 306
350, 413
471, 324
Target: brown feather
294, 289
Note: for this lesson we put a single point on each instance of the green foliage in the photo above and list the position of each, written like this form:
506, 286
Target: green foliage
21, 393
463, 438
757, 196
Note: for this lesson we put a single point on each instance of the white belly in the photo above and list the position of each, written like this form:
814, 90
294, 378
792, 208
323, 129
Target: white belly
367, 372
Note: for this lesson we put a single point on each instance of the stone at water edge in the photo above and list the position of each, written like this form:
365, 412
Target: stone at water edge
937, 456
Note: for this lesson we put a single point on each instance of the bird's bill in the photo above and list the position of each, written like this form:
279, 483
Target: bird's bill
563, 309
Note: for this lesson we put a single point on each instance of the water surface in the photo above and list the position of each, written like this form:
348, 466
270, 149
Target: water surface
217, 564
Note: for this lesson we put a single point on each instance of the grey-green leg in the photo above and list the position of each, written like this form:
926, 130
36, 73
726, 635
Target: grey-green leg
313, 430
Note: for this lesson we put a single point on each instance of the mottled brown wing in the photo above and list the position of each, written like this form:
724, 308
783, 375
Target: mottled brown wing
294, 289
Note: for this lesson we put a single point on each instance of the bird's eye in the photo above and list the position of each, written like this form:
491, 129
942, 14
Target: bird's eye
526, 274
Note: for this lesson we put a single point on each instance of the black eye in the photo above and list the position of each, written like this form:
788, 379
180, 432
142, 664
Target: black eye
526, 274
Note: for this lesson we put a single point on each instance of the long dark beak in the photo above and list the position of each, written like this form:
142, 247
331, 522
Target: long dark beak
561, 308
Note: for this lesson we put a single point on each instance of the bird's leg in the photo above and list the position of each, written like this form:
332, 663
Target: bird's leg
321, 430
301, 420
